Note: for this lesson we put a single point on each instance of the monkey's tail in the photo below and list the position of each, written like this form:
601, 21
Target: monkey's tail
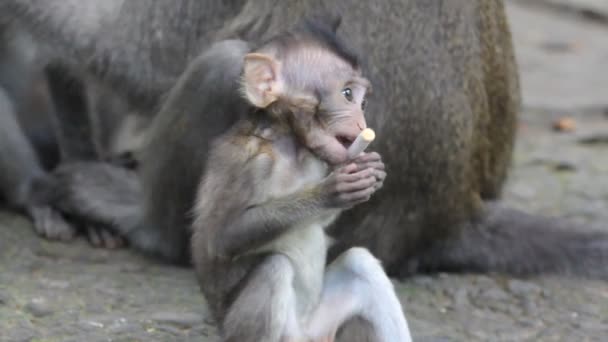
510, 241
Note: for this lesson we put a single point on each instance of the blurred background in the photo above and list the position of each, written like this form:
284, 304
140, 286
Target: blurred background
49, 293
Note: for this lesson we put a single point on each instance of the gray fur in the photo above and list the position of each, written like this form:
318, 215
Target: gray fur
138, 46
27, 143
18, 154
546, 245
44, 116
445, 115
259, 244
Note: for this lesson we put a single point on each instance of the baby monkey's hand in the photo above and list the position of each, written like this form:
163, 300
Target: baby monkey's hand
373, 162
354, 182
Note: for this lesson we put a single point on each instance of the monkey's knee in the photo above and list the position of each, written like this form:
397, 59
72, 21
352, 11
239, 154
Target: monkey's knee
375, 293
361, 263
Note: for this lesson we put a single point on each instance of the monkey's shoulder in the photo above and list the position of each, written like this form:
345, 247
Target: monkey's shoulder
270, 161
243, 150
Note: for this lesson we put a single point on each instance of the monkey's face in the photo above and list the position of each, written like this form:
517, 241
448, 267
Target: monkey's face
339, 118
327, 99
321, 96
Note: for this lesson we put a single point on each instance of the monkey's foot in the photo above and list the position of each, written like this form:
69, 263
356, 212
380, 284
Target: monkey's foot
126, 160
50, 224
104, 237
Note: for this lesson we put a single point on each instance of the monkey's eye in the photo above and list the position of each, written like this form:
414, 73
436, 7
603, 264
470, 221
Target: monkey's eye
363, 104
348, 94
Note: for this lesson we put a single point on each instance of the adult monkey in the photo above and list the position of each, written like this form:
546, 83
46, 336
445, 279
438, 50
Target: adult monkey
30, 96
34, 90
445, 111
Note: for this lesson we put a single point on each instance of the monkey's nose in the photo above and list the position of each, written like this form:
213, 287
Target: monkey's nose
361, 124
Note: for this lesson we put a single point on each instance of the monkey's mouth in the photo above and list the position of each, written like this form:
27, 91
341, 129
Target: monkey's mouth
344, 140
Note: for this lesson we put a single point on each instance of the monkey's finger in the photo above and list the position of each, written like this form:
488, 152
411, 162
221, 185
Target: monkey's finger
66, 232
379, 184
377, 171
380, 175
377, 165
112, 240
121, 241
94, 236
109, 240
43, 223
353, 176
361, 184
348, 168
51, 224
367, 157
357, 197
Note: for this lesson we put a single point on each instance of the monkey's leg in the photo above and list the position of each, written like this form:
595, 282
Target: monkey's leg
73, 123
75, 130
104, 237
356, 286
265, 308
23, 182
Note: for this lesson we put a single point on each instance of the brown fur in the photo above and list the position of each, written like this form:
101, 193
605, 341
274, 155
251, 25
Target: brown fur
445, 110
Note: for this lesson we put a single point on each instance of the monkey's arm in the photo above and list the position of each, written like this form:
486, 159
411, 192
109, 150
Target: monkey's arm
234, 209
229, 201
261, 223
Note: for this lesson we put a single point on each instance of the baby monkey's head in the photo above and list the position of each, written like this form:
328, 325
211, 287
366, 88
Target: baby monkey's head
308, 79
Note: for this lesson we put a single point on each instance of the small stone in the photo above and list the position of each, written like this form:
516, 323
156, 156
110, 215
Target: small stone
21, 333
54, 284
89, 325
529, 307
5, 298
523, 191
594, 139
492, 298
423, 281
171, 330
560, 46
38, 307
132, 268
123, 326
461, 297
564, 125
201, 330
184, 320
564, 166
523, 289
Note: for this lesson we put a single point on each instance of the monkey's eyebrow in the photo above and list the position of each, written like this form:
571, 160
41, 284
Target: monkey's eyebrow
361, 81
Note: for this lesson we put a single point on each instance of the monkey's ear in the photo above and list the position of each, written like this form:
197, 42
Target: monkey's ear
262, 80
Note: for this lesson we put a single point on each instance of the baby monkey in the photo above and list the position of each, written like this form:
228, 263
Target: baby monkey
274, 182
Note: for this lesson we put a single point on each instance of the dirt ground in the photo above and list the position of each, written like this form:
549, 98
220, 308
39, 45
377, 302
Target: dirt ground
72, 292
